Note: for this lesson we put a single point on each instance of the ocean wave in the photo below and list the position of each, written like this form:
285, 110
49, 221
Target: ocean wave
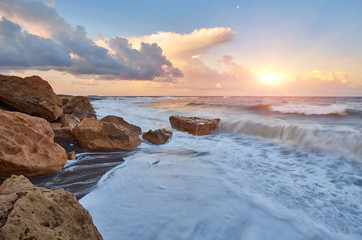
335, 110
258, 107
195, 104
332, 110
343, 141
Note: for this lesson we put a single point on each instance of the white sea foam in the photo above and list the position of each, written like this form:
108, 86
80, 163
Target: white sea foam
228, 185
343, 140
333, 109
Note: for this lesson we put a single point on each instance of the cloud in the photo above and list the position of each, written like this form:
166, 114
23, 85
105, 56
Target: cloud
186, 51
21, 49
339, 77
321, 83
38, 16
41, 19
145, 62
198, 42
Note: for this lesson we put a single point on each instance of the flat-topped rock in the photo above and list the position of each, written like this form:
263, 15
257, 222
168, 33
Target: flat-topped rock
80, 107
31, 95
30, 212
158, 137
27, 146
194, 125
105, 136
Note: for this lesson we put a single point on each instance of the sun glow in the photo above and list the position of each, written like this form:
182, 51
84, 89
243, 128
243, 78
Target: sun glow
271, 77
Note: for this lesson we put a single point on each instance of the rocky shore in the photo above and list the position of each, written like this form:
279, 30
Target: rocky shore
40, 132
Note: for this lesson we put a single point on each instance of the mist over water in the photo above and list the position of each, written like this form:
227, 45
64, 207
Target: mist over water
276, 168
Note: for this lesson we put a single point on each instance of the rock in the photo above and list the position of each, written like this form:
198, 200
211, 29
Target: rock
63, 127
159, 136
194, 125
27, 146
63, 132
55, 125
80, 107
114, 119
64, 100
68, 120
71, 155
105, 136
31, 95
30, 212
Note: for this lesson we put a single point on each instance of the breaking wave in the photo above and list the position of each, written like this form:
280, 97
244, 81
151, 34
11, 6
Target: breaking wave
334, 109
343, 141
307, 110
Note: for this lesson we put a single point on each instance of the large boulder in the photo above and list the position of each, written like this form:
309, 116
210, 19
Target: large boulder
194, 125
30, 212
80, 107
118, 120
31, 95
27, 146
105, 136
158, 137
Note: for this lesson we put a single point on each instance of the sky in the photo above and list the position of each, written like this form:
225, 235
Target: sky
186, 48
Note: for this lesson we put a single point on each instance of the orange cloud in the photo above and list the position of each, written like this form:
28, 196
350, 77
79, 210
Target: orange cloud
340, 77
198, 42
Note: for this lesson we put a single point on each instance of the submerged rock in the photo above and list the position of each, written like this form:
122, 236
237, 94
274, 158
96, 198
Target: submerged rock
118, 120
158, 137
31, 95
194, 125
105, 136
80, 107
30, 212
27, 146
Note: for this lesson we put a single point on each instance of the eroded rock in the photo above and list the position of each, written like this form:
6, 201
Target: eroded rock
68, 120
194, 125
158, 137
30, 212
31, 95
63, 132
27, 146
118, 120
80, 107
105, 136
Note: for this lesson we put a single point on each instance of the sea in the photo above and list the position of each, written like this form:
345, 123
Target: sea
275, 168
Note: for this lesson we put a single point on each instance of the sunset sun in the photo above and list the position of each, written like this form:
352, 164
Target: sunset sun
270, 77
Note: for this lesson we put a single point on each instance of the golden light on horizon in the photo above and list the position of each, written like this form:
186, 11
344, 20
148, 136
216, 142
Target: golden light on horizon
271, 77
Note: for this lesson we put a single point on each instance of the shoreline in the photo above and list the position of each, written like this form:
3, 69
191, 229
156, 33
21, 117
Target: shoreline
80, 176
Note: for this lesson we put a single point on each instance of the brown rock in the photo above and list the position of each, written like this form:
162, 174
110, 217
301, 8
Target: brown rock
27, 146
159, 136
55, 125
71, 155
80, 107
31, 95
68, 120
114, 119
30, 212
64, 133
105, 136
64, 100
194, 125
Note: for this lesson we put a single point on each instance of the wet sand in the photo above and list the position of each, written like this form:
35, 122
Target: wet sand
80, 176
